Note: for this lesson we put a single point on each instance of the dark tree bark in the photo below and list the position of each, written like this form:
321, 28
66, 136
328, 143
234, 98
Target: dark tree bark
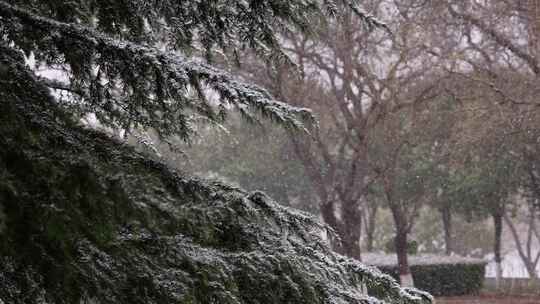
497, 217
401, 250
403, 226
348, 228
352, 229
370, 222
328, 213
446, 215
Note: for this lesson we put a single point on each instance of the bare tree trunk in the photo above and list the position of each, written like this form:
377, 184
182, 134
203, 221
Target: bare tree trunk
370, 225
497, 221
400, 240
328, 213
352, 220
348, 228
405, 275
447, 226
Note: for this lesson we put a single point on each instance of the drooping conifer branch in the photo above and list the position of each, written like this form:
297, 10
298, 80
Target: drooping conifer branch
142, 85
134, 85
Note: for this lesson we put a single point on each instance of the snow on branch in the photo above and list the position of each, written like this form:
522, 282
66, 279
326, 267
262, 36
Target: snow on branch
128, 84
173, 233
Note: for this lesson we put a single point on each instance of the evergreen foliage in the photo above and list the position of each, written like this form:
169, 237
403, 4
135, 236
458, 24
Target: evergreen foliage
89, 219
135, 64
85, 219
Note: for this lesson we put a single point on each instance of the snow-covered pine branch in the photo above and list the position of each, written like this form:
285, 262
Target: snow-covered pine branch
104, 224
130, 83
141, 85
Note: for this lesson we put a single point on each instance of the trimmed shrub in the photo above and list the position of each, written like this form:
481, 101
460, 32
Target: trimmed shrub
440, 275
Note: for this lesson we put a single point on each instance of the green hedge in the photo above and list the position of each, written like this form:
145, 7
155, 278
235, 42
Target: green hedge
445, 279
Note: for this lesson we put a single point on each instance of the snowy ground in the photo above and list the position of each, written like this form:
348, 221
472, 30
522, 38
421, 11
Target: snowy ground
381, 259
512, 266
488, 299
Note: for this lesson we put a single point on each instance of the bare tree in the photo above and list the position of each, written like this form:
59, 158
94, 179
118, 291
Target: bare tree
352, 78
405, 146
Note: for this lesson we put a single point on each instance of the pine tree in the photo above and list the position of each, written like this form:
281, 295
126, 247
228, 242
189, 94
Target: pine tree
85, 219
